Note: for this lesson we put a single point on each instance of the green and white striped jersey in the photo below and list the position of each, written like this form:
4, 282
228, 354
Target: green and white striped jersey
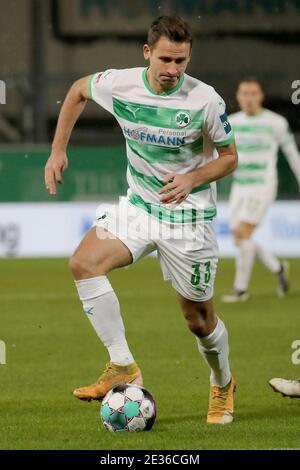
175, 131
258, 139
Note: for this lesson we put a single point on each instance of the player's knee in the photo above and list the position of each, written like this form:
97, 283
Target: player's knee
236, 235
196, 322
239, 236
80, 267
198, 328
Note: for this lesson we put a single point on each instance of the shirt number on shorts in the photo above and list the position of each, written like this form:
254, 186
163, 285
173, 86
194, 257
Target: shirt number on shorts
196, 276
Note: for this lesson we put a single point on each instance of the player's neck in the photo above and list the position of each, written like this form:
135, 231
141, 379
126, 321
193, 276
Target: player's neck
254, 113
156, 86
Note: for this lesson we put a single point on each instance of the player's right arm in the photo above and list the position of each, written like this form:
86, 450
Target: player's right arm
72, 107
289, 148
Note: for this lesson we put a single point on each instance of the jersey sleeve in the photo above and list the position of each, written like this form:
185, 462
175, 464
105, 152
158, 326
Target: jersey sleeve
288, 145
284, 133
101, 89
216, 123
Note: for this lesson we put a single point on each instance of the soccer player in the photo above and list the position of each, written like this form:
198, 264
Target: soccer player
171, 122
259, 133
287, 388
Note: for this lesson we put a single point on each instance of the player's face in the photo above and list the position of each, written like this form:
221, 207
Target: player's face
250, 97
168, 61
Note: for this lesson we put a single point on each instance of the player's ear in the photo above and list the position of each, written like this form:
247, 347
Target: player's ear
146, 51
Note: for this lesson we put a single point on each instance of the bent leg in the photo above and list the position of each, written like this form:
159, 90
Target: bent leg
248, 250
212, 339
211, 336
98, 253
92, 260
270, 261
245, 257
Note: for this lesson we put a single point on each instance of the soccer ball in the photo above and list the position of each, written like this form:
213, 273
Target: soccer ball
128, 408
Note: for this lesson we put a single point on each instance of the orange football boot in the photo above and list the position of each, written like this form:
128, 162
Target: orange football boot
220, 409
112, 376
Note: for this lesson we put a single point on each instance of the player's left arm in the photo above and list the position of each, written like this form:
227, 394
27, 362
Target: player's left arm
289, 148
182, 184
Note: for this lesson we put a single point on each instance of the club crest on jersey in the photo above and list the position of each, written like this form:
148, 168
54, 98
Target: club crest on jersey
182, 119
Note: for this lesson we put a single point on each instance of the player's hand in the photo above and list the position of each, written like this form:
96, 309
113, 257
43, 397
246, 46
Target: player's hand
177, 187
56, 164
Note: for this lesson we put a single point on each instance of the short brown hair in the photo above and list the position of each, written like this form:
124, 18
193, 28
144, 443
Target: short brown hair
173, 28
251, 79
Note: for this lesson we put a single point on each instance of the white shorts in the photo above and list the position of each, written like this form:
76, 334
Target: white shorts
188, 254
249, 203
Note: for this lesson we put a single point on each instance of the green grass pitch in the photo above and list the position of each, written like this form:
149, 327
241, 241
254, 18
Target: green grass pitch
51, 349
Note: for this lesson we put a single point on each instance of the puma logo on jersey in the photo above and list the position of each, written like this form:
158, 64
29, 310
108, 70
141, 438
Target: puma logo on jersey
132, 111
99, 76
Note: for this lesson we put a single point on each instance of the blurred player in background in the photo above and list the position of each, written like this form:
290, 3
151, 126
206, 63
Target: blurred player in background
287, 388
171, 123
259, 133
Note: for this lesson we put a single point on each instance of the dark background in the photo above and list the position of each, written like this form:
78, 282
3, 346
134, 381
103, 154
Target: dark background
47, 44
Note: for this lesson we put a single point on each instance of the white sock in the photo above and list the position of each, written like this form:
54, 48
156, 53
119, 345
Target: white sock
269, 260
215, 350
244, 264
101, 305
